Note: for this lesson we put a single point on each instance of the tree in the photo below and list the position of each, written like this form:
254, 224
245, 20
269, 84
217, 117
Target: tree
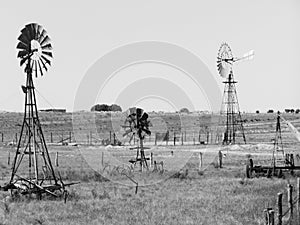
106, 108
270, 111
257, 111
184, 110
115, 108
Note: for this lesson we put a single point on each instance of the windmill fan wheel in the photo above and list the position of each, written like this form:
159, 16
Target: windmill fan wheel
224, 60
34, 49
136, 123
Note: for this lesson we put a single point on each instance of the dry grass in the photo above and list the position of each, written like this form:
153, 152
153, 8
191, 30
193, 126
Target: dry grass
214, 196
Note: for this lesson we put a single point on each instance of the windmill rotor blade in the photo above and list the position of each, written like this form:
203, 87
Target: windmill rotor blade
39, 29
21, 54
144, 117
42, 35
147, 131
29, 34
47, 60
48, 53
35, 28
43, 63
25, 35
45, 40
31, 30
22, 45
22, 38
47, 47
139, 113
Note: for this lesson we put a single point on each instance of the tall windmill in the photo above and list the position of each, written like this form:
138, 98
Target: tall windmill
32, 170
230, 105
137, 125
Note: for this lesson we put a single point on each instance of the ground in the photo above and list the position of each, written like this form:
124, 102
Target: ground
185, 194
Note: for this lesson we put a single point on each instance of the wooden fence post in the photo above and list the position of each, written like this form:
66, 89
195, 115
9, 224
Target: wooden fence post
200, 160
181, 138
91, 138
70, 136
174, 138
207, 137
167, 137
16, 138
185, 136
279, 208
56, 159
2, 137
199, 137
8, 158
87, 139
269, 216
155, 140
51, 137
220, 159
102, 159
151, 159
272, 217
298, 199
290, 199
194, 138
110, 137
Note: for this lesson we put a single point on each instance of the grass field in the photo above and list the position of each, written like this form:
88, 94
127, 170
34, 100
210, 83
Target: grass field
180, 194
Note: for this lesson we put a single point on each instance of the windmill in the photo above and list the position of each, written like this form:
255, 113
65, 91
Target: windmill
278, 152
230, 105
32, 170
137, 125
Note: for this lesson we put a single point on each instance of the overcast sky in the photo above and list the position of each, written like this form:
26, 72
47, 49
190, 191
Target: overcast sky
83, 32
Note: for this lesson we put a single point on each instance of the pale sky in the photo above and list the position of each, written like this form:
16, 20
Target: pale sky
84, 31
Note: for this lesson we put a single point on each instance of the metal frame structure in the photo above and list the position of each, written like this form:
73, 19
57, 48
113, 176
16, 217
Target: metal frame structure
230, 107
137, 123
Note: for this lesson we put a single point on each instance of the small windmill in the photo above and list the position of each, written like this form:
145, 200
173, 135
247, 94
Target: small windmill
32, 170
137, 125
278, 152
230, 105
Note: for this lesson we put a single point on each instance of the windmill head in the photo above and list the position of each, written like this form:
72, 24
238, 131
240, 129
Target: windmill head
225, 59
34, 49
136, 123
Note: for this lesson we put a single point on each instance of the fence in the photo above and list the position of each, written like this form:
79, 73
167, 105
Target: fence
291, 214
109, 137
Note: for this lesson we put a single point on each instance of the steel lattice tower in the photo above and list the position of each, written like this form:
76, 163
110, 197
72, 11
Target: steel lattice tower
230, 108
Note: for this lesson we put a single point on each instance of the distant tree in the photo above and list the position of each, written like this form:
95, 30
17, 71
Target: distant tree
184, 110
297, 111
115, 108
270, 111
287, 110
292, 110
257, 111
106, 108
